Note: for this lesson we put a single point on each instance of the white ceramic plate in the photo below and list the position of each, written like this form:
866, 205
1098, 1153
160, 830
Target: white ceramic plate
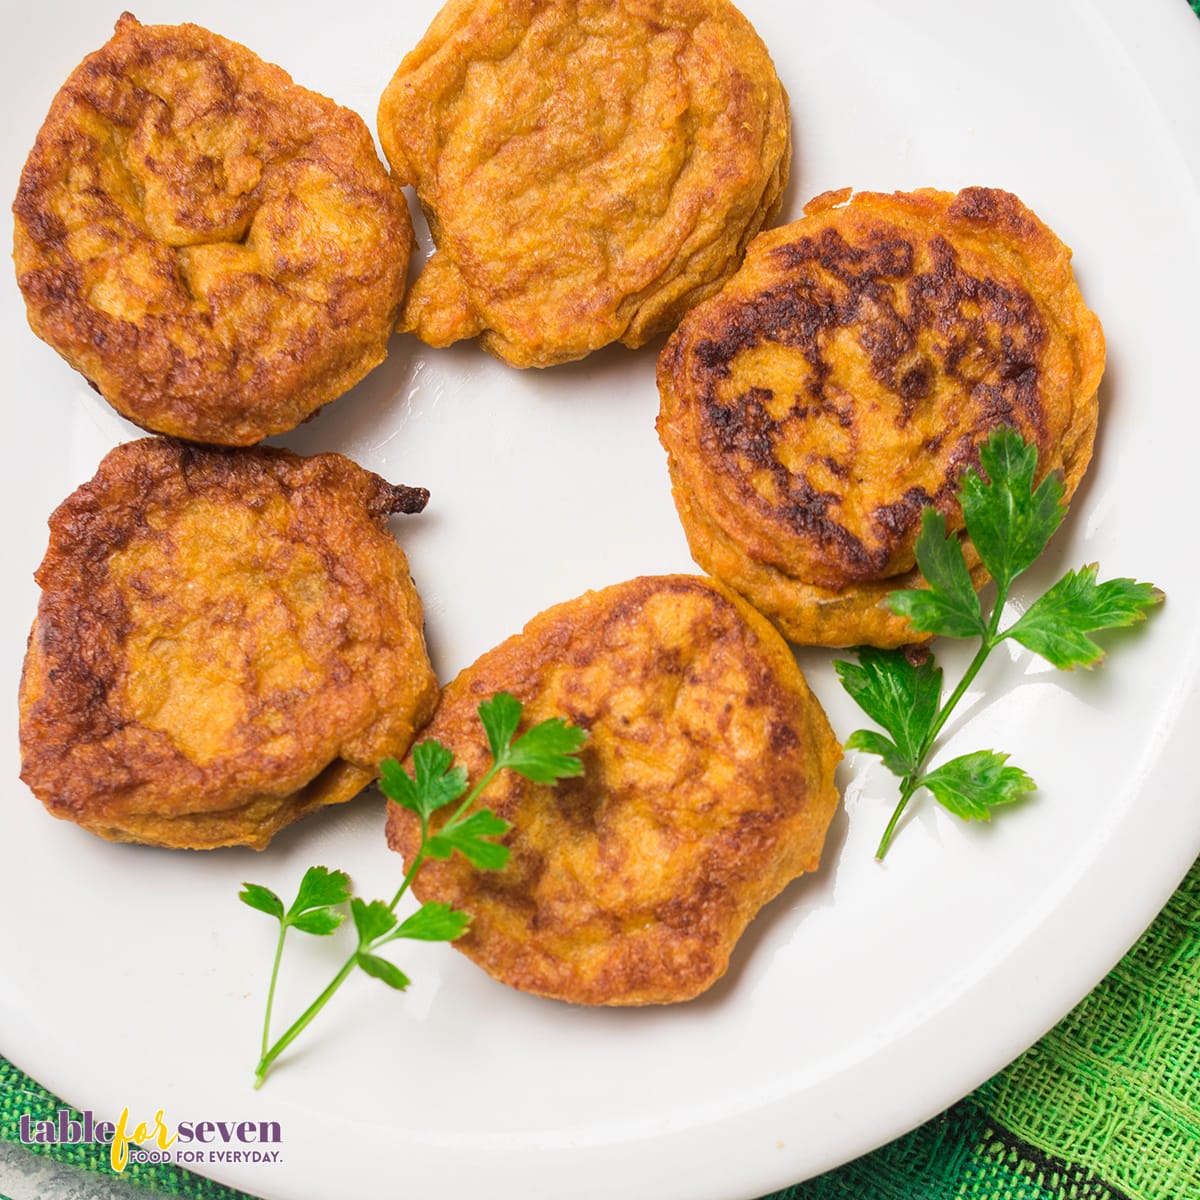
867, 997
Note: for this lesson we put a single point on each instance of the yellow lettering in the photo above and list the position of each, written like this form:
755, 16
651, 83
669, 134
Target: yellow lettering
119, 1154
165, 1138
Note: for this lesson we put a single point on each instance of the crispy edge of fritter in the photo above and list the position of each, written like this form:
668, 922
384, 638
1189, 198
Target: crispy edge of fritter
97, 520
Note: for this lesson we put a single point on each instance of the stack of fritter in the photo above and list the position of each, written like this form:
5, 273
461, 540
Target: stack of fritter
707, 787
846, 376
218, 250
589, 169
226, 640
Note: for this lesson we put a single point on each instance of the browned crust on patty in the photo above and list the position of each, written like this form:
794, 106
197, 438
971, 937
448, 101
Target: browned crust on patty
847, 375
219, 251
590, 170
225, 640
707, 787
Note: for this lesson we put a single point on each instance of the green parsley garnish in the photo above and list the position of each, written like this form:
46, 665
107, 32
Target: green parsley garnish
1009, 522
547, 752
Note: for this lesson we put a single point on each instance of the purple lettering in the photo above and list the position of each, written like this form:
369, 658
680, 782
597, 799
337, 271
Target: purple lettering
69, 1132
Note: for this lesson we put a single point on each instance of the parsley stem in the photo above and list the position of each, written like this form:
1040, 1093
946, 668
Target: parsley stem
271, 987
909, 785
417, 864
419, 861
473, 795
912, 781
944, 712
303, 1021
988, 642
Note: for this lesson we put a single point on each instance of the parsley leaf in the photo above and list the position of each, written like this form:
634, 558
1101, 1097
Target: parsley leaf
1009, 521
548, 751
313, 909
971, 785
1056, 625
319, 889
949, 605
434, 921
380, 968
897, 695
371, 920
435, 782
322, 921
500, 717
470, 837
874, 742
261, 898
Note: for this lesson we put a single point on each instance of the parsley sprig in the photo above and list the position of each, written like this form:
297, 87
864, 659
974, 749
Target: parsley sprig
1009, 521
544, 753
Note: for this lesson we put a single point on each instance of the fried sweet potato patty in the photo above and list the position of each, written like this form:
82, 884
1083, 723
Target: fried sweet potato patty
226, 640
219, 251
707, 786
847, 375
590, 169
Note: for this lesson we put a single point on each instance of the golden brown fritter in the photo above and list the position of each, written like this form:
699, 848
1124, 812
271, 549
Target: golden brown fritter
219, 251
846, 376
590, 169
707, 786
226, 640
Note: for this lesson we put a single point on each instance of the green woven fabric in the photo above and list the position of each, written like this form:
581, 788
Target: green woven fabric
1105, 1107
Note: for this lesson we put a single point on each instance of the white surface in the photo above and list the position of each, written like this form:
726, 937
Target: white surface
867, 997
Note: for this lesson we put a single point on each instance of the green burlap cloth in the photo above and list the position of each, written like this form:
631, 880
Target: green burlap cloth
1105, 1107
